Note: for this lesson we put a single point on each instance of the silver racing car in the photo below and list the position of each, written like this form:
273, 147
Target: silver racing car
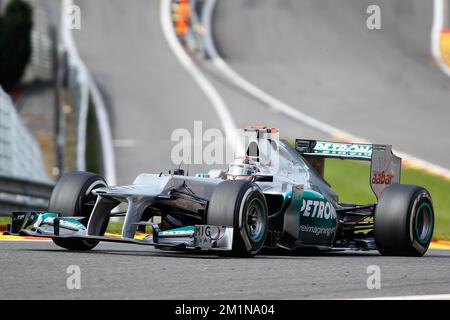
274, 196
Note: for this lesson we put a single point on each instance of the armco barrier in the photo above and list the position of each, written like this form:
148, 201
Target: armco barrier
18, 194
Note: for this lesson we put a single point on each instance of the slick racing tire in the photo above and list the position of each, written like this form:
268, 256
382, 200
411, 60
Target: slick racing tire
72, 196
241, 205
404, 221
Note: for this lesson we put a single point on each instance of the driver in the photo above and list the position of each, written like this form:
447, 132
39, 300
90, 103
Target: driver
242, 169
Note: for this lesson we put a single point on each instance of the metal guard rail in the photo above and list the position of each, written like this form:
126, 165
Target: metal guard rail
23, 194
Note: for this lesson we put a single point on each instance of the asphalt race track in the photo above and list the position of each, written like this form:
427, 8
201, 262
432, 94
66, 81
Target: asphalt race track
147, 91
37, 269
318, 56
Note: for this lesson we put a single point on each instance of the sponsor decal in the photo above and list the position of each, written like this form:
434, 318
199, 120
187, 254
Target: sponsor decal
384, 169
320, 209
205, 234
48, 218
19, 216
317, 231
343, 149
175, 233
382, 178
318, 219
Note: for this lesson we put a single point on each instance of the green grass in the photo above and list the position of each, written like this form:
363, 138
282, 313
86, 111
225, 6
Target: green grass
5, 220
115, 226
351, 180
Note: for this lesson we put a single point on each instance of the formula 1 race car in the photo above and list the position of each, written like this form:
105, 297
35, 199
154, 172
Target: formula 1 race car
274, 196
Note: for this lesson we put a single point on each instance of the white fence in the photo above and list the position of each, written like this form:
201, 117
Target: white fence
20, 155
41, 60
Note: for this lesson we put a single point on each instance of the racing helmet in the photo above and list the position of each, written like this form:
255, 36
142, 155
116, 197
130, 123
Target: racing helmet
242, 169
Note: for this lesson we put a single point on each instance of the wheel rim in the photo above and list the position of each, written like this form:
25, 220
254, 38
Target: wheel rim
255, 219
424, 223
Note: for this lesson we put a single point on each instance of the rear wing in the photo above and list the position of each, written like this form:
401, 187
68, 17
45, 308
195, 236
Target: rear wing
385, 166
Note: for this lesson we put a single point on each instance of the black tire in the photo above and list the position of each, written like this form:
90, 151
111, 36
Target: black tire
72, 197
404, 221
241, 205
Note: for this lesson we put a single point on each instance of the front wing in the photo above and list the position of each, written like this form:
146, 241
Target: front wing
51, 225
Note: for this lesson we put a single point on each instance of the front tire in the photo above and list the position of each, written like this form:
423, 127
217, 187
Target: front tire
241, 205
72, 196
404, 221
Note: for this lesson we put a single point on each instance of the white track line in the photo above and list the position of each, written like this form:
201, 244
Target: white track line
100, 109
292, 112
439, 12
213, 95
420, 297
254, 91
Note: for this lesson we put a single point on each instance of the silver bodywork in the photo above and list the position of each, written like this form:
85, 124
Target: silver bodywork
288, 171
147, 190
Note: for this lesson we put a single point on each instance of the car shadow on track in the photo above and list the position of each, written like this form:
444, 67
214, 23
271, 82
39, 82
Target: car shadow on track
137, 253
205, 255
265, 254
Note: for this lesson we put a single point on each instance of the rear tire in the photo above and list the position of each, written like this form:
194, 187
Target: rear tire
404, 221
241, 205
72, 196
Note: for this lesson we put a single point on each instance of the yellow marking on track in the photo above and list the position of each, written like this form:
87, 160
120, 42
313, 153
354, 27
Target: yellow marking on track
139, 236
445, 46
112, 235
440, 244
21, 238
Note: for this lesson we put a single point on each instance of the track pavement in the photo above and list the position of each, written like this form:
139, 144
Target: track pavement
116, 271
319, 57
146, 90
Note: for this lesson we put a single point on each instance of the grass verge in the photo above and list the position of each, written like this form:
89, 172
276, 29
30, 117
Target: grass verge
115, 226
